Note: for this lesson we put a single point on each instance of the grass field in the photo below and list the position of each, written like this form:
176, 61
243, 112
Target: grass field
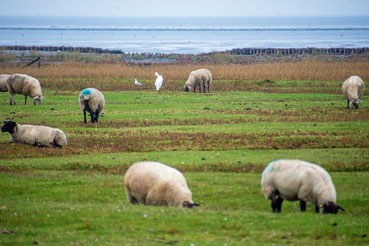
221, 141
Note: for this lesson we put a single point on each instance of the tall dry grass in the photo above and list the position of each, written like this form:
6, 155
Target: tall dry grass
311, 70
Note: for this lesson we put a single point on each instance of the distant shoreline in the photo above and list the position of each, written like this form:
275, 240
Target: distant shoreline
57, 54
237, 51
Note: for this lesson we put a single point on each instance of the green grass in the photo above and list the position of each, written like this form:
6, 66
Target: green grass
221, 141
58, 208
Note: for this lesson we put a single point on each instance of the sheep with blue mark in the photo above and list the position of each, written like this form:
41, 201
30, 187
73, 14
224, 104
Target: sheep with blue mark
294, 180
91, 100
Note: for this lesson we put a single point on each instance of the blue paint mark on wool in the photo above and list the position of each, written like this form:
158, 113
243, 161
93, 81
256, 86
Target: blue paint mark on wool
269, 167
86, 92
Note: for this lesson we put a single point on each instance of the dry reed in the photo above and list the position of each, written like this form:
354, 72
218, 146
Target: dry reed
310, 70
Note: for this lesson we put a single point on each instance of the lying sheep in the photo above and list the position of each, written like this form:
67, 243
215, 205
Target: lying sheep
353, 88
3, 82
42, 136
299, 180
198, 78
153, 183
92, 101
26, 85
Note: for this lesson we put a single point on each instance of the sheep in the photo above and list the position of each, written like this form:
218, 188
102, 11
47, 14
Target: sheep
92, 101
3, 82
353, 88
198, 78
26, 85
41, 136
299, 180
153, 183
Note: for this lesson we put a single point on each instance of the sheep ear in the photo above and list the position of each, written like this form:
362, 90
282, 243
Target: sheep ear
339, 207
43, 98
195, 204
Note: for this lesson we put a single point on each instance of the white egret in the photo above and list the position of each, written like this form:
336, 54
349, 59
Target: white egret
137, 83
159, 81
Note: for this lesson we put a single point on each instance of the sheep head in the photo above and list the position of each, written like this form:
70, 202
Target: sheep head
187, 204
9, 126
187, 88
331, 208
355, 103
37, 100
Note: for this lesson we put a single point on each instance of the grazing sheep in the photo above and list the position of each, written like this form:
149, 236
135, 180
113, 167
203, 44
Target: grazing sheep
353, 88
153, 183
92, 101
299, 180
198, 78
26, 85
42, 136
3, 82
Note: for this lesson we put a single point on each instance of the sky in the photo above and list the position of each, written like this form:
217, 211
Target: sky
186, 8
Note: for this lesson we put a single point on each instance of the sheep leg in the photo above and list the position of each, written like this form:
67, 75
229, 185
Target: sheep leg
348, 104
97, 116
273, 198
12, 99
25, 100
208, 87
130, 198
204, 89
303, 205
276, 202
54, 144
279, 204
317, 209
84, 114
194, 89
92, 117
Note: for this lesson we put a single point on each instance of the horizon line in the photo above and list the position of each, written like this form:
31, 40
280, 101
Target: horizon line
210, 16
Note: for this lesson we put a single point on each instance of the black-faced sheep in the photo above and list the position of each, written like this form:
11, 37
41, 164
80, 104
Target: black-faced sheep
26, 85
199, 78
42, 136
92, 101
353, 88
299, 180
153, 183
3, 82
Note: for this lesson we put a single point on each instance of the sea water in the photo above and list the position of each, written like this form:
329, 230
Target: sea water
185, 35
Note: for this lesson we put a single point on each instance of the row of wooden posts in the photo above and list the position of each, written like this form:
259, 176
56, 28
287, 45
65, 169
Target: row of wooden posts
243, 51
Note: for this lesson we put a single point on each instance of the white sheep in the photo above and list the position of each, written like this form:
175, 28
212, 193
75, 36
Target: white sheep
26, 85
198, 78
153, 183
92, 101
299, 180
42, 136
3, 82
353, 88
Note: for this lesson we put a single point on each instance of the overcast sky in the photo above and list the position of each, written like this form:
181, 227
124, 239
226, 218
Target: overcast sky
185, 7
